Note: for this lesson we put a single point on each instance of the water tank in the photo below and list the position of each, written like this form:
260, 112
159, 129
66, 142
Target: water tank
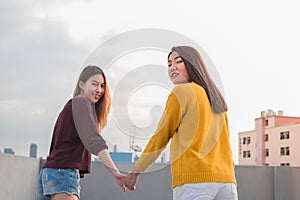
280, 112
271, 113
263, 114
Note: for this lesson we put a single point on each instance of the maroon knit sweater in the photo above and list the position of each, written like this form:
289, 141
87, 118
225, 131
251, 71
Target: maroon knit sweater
75, 137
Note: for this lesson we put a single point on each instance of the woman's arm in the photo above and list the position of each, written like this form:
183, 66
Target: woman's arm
109, 164
166, 128
86, 127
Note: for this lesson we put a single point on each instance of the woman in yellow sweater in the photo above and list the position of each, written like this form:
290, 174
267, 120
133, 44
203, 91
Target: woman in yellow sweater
195, 121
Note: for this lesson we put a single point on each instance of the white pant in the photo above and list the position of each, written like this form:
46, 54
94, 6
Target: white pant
205, 191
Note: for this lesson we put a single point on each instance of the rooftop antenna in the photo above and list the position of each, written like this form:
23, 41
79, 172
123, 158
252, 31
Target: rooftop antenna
132, 145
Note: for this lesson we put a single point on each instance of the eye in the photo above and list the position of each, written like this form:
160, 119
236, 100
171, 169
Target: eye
178, 61
169, 64
103, 85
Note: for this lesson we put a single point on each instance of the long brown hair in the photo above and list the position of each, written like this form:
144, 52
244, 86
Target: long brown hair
102, 107
198, 73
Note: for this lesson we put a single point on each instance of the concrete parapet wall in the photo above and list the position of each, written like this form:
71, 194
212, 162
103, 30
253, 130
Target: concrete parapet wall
18, 176
19, 181
100, 184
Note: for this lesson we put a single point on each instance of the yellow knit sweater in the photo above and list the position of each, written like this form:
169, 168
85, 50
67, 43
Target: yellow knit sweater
200, 143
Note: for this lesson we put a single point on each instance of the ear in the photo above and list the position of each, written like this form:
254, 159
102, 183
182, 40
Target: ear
81, 85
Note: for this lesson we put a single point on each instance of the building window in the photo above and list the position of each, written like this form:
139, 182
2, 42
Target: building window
246, 140
266, 137
287, 135
281, 135
267, 164
246, 154
267, 152
240, 144
285, 151
284, 164
284, 135
266, 122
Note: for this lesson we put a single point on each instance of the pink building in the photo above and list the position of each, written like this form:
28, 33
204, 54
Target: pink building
274, 142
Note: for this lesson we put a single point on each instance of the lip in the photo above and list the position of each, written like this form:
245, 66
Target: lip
97, 96
174, 74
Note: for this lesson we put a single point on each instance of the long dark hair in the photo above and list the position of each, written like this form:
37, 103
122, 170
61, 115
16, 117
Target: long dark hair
102, 107
198, 73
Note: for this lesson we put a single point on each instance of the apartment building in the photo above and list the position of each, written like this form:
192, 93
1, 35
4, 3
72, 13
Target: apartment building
275, 141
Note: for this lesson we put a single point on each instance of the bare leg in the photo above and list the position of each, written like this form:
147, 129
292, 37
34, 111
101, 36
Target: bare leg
64, 196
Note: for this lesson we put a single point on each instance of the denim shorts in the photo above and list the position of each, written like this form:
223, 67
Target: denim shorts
54, 181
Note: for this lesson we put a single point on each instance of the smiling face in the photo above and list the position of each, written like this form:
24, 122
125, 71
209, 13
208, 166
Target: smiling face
176, 69
94, 88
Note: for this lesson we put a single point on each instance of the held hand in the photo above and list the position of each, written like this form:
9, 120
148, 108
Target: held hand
131, 179
121, 180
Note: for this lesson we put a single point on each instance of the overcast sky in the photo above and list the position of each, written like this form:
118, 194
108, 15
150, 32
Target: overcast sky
254, 46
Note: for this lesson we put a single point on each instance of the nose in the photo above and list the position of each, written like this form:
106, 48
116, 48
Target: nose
99, 88
172, 67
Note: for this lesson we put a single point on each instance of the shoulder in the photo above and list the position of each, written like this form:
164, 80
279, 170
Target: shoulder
80, 102
181, 88
187, 88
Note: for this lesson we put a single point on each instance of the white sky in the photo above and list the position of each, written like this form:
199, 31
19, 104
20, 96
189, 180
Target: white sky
254, 46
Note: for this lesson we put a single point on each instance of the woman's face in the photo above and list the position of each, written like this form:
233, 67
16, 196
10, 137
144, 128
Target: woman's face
94, 88
176, 69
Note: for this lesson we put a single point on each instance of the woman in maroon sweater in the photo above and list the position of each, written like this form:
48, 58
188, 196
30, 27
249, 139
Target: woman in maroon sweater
76, 136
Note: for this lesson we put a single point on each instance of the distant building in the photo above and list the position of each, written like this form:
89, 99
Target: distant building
163, 158
33, 151
274, 142
8, 151
120, 156
135, 158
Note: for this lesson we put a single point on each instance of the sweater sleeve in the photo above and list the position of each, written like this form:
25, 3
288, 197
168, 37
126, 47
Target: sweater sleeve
86, 125
167, 127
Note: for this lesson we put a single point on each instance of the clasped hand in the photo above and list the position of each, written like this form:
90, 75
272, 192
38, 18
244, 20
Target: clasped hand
128, 180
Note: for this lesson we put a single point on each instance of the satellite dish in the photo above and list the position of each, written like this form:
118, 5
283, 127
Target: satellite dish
136, 148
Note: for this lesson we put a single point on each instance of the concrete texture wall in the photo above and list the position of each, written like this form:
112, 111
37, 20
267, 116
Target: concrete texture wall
100, 184
18, 177
255, 183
